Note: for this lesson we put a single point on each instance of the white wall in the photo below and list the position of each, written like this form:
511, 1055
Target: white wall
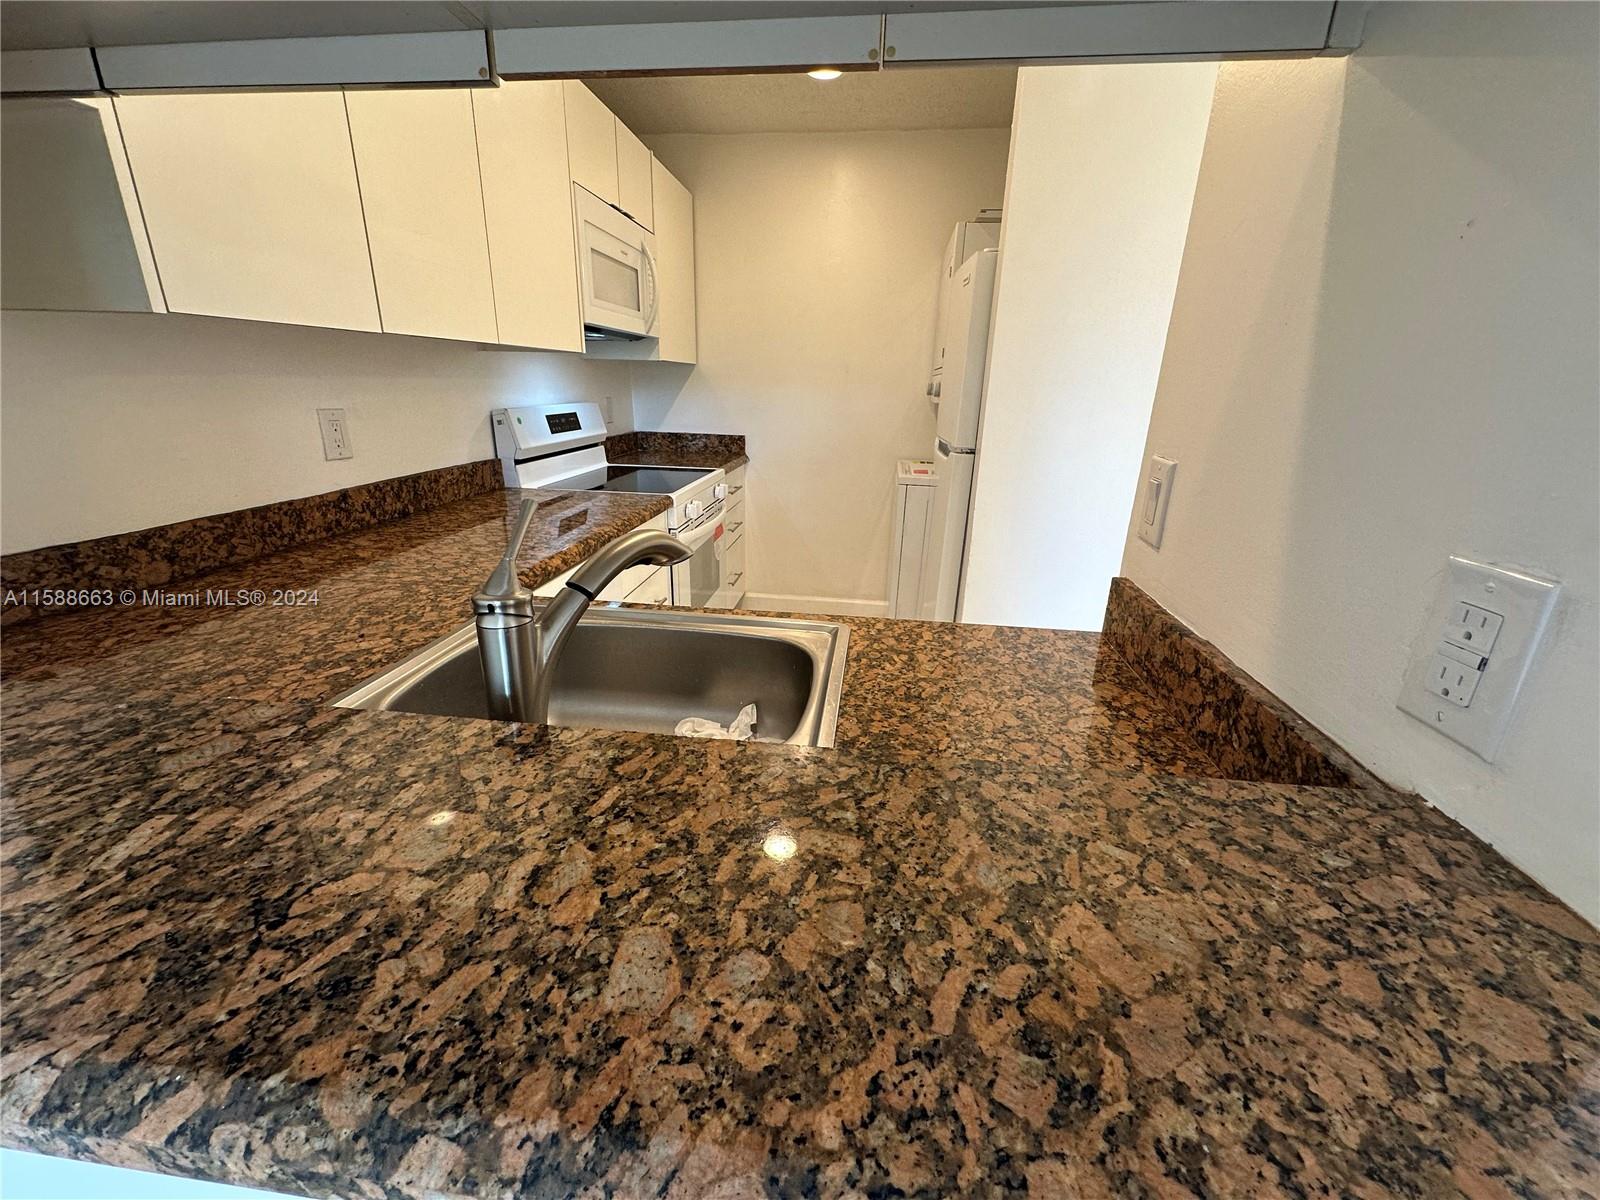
116, 422
1103, 166
817, 262
1384, 351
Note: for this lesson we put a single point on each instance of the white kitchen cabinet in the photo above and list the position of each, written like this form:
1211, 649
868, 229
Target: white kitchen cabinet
591, 142
626, 583
735, 480
674, 208
73, 235
736, 525
656, 588
733, 571
417, 158
635, 188
252, 206
527, 204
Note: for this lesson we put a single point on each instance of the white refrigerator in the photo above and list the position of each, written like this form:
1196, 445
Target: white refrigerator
955, 452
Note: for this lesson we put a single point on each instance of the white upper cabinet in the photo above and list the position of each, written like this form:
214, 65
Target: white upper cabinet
634, 187
674, 216
417, 157
251, 203
73, 237
527, 202
591, 142
605, 156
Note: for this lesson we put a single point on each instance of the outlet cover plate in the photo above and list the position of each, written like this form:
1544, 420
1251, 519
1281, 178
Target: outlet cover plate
335, 434
1525, 602
1154, 493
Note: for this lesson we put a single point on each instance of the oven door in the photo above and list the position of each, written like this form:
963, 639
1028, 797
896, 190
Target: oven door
697, 579
617, 270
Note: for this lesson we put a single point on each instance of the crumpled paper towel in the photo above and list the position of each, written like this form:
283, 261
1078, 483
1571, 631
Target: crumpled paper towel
742, 729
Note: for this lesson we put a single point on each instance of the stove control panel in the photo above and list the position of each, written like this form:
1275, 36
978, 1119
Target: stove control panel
563, 422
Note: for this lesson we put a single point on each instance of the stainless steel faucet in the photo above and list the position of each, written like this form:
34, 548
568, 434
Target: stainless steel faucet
520, 644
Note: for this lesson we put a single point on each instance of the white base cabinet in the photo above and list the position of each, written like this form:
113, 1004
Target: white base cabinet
736, 529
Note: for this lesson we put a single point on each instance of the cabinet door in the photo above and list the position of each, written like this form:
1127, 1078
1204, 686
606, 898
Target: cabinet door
527, 204
656, 588
675, 249
73, 236
591, 141
634, 185
417, 157
251, 203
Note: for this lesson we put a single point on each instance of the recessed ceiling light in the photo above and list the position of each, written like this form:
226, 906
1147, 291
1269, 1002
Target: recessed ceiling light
825, 73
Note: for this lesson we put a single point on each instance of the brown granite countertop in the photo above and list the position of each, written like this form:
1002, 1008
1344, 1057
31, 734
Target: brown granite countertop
1028, 943
664, 449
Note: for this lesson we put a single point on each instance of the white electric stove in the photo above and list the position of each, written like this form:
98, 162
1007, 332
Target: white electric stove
563, 446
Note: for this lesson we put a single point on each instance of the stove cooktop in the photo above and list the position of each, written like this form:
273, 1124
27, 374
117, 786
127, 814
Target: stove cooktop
658, 481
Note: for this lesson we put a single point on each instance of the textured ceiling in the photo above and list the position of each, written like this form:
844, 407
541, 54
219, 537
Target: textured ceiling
921, 98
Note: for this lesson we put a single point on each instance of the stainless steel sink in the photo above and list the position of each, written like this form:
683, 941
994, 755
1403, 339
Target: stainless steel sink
646, 671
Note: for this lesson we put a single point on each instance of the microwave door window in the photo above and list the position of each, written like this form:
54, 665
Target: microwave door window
615, 283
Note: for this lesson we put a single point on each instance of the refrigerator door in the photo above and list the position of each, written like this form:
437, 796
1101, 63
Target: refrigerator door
947, 533
947, 271
966, 350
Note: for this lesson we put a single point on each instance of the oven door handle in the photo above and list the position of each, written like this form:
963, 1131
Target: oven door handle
696, 536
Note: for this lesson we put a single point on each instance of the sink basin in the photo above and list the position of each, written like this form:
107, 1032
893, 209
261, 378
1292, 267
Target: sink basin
646, 671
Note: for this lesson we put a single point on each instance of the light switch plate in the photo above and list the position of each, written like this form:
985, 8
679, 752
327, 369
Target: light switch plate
1154, 493
1505, 608
335, 434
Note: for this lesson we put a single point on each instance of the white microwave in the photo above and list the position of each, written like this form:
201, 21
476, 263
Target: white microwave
616, 271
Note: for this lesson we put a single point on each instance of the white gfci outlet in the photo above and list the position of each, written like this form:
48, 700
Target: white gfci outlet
1482, 631
335, 434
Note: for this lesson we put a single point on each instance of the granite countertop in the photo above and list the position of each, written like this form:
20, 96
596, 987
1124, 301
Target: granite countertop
662, 449
1029, 942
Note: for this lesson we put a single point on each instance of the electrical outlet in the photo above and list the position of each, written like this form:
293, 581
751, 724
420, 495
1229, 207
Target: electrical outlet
1482, 631
605, 412
335, 434
1153, 497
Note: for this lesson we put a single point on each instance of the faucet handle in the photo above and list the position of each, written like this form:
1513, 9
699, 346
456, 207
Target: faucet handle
504, 593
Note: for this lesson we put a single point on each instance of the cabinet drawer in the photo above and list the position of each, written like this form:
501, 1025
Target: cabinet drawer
737, 492
733, 581
733, 524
